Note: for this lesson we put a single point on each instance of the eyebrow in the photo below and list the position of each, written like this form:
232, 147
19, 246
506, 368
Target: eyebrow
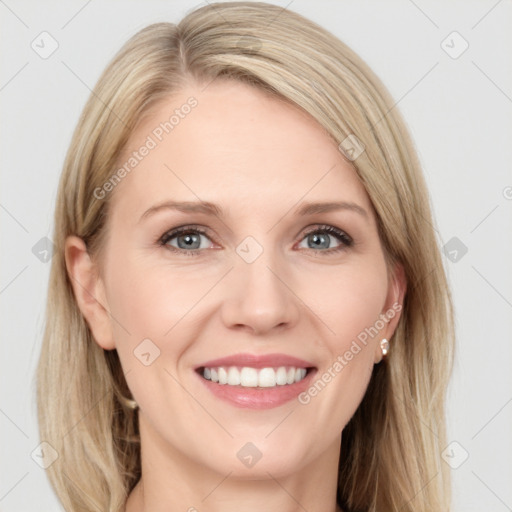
209, 208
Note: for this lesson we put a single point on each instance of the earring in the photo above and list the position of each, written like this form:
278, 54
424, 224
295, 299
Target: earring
130, 403
384, 346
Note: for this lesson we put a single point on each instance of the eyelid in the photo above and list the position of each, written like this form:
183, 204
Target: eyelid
178, 230
325, 227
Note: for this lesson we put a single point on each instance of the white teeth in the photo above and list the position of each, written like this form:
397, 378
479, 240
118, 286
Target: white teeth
267, 378
252, 377
223, 376
233, 377
248, 377
281, 376
299, 375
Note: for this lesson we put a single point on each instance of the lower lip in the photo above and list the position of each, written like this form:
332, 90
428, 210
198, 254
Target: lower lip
258, 398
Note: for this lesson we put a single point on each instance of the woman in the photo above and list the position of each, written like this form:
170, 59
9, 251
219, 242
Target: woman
247, 305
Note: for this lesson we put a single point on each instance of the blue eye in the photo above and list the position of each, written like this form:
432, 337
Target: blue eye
187, 240
320, 238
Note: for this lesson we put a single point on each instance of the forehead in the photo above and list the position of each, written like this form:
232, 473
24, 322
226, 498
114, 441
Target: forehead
233, 144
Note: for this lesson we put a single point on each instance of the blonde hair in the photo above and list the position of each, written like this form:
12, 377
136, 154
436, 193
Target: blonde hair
390, 455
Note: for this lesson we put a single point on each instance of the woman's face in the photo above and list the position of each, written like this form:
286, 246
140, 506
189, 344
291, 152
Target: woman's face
257, 274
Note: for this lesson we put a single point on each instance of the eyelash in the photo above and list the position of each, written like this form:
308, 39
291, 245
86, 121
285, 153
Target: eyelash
341, 236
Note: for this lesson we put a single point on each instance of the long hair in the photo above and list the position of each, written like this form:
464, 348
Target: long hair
391, 449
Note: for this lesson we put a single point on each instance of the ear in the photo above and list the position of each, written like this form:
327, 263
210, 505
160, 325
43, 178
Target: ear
393, 307
89, 291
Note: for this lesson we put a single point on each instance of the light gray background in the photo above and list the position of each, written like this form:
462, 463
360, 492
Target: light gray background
458, 110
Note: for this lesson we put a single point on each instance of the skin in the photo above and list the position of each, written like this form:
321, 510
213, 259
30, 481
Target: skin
259, 159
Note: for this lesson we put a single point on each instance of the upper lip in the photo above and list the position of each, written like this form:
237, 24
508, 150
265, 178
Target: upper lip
258, 361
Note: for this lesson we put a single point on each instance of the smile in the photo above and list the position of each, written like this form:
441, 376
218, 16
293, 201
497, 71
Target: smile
256, 381
249, 377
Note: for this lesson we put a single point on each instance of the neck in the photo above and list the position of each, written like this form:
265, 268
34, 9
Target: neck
172, 481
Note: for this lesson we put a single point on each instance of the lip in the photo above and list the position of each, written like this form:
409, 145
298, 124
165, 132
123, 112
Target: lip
256, 397
257, 361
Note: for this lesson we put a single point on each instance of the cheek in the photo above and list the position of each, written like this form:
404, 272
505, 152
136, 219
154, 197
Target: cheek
155, 310
350, 302
152, 308
350, 306
151, 301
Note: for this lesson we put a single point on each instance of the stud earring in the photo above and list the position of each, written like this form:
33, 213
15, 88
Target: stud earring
384, 346
132, 404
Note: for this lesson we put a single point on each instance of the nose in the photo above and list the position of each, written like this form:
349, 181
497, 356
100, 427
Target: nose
259, 297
